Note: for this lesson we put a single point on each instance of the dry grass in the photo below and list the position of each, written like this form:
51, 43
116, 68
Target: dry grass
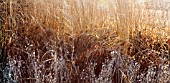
71, 40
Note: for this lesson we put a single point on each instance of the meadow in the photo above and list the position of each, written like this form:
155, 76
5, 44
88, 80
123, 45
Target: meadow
84, 41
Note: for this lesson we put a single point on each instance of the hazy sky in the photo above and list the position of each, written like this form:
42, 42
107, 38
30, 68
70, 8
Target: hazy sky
152, 0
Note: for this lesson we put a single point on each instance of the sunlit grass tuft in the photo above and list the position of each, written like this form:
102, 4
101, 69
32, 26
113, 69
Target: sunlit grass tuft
82, 40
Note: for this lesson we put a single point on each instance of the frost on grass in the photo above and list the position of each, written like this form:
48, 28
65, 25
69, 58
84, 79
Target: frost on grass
80, 41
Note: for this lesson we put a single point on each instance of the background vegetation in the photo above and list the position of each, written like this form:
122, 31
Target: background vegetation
84, 41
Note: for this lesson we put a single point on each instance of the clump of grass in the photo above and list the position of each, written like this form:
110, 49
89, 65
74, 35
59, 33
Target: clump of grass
85, 41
